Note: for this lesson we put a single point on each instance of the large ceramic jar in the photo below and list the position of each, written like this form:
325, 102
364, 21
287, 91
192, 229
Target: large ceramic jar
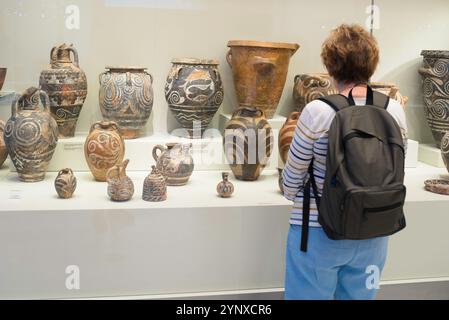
248, 142
66, 85
391, 90
445, 149
126, 97
31, 135
174, 162
435, 76
120, 186
286, 134
194, 92
311, 86
104, 148
260, 70
3, 150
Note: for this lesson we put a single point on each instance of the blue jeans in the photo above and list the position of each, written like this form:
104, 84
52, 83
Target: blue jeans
333, 269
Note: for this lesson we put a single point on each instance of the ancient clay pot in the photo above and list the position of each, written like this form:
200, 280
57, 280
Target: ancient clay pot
445, 149
286, 134
120, 186
248, 142
2, 76
66, 86
65, 183
312, 86
280, 180
3, 150
175, 162
194, 92
31, 135
225, 188
154, 186
126, 97
439, 186
260, 70
435, 77
391, 90
104, 148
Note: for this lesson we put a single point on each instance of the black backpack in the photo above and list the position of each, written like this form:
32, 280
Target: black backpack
363, 193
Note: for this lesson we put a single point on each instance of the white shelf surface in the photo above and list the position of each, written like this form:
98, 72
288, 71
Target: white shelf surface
193, 242
431, 155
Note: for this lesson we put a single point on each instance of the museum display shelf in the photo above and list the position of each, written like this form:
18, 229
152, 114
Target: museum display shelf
431, 155
192, 243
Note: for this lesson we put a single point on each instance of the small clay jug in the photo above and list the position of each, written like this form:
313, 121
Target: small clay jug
154, 186
3, 150
175, 162
120, 186
225, 188
104, 148
65, 183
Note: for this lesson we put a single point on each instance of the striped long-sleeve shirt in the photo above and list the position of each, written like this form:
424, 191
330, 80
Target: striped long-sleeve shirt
310, 141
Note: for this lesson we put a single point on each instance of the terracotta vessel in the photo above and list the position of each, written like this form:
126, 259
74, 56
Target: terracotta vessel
312, 86
280, 180
120, 186
2, 76
65, 183
286, 134
437, 186
3, 150
174, 162
391, 90
126, 97
445, 149
435, 78
31, 135
66, 86
104, 148
225, 188
260, 70
248, 142
154, 186
194, 92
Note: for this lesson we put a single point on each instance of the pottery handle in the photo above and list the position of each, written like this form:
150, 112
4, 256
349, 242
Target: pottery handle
178, 71
75, 56
54, 55
66, 170
100, 76
95, 125
425, 71
15, 105
297, 77
229, 58
128, 79
110, 172
150, 75
45, 100
263, 65
248, 112
155, 149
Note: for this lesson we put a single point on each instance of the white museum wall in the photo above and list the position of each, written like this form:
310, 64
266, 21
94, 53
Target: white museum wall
152, 32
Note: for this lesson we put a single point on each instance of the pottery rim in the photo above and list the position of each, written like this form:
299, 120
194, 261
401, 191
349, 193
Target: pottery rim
435, 53
125, 68
263, 44
195, 61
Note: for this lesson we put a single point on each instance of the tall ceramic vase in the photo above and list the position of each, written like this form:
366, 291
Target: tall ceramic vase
194, 92
260, 70
248, 142
66, 86
435, 77
126, 97
286, 134
104, 148
311, 86
31, 135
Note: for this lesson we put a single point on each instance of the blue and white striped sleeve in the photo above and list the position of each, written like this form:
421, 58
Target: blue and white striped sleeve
300, 155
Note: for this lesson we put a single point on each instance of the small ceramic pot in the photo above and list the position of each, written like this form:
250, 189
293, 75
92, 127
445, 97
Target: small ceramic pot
225, 188
65, 183
154, 186
120, 186
437, 186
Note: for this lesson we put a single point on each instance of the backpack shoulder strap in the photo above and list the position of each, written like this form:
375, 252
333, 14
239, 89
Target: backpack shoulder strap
380, 100
336, 101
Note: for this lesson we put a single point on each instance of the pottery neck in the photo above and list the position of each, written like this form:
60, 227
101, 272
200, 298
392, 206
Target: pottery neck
30, 99
225, 176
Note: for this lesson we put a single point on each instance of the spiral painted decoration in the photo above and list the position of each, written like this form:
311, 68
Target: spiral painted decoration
248, 143
311, 86
104, 148
194, 92
435, 82
31, 135
126, 97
